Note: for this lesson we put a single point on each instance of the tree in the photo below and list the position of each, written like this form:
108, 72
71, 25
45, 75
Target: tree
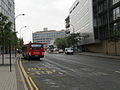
72, 39
5, 33
61, 43
115, 37
20, 43
8, 38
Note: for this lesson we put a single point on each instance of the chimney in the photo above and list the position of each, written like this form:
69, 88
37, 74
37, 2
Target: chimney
45, 29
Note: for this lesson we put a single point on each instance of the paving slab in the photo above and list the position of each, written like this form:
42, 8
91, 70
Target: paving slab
7, 79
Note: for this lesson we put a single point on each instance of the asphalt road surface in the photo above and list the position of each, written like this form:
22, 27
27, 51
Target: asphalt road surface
74, 72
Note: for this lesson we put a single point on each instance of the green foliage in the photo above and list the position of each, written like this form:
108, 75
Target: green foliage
73, 39
6, 33
20, 43
61, 43
69, 41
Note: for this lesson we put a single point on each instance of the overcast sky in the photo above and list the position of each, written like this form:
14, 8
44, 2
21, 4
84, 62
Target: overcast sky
40, 14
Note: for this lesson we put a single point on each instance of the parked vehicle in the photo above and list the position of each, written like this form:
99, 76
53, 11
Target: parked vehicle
60, 51
33, 50
69, 51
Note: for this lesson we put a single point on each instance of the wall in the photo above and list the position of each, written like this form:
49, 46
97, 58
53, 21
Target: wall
105, 47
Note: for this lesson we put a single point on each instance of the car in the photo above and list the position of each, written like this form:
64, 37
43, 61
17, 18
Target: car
69, 51
60, 51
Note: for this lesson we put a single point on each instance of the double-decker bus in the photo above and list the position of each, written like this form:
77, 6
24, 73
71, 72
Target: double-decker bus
33, 50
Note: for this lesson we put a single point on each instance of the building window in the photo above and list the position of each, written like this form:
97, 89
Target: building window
116, 13
115, 1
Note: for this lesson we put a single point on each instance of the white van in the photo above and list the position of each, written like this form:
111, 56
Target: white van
68, 51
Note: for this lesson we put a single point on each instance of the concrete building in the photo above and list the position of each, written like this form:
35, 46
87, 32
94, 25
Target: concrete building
81, 19
96, 18
7, 7
47, 36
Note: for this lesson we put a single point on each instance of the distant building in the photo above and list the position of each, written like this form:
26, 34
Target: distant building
47, 36
7, 7
97, 19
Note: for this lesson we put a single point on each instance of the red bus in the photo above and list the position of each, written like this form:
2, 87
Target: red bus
33, 50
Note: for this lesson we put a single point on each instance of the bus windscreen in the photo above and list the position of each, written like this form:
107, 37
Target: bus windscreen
36, 46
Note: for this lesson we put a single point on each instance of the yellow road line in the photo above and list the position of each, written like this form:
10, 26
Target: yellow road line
33, 83
28, 77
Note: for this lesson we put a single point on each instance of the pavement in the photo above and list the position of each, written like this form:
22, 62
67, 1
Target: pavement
10, 80
100, 55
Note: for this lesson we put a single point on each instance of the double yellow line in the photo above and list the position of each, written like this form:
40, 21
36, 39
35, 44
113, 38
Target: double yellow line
29, 80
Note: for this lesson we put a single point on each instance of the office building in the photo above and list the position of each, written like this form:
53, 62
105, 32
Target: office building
97, 19
7, 8
47, 36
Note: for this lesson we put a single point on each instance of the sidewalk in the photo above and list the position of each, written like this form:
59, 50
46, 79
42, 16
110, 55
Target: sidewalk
99, 55
8, 80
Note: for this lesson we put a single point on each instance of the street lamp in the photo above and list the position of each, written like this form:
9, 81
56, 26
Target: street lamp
16, 18
21, 29
15, 27
19, 15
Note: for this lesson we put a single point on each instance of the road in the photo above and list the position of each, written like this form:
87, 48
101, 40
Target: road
74, 72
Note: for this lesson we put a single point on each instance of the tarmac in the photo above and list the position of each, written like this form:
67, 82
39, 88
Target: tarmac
100, 55
14, 80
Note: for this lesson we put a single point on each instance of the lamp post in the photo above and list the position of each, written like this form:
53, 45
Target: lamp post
20, 39
19, 15
15, 20
10, 43
21, 29
15, 27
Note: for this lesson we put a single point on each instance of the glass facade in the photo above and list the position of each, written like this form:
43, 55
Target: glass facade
8, 9
106, 17
116, 13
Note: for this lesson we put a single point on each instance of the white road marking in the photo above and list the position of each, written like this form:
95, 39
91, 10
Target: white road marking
117, 71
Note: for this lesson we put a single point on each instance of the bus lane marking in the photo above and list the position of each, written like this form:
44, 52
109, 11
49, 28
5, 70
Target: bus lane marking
43, 71
49, 72
25, 75
29, 80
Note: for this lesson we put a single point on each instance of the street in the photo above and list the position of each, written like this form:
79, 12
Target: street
74, 72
